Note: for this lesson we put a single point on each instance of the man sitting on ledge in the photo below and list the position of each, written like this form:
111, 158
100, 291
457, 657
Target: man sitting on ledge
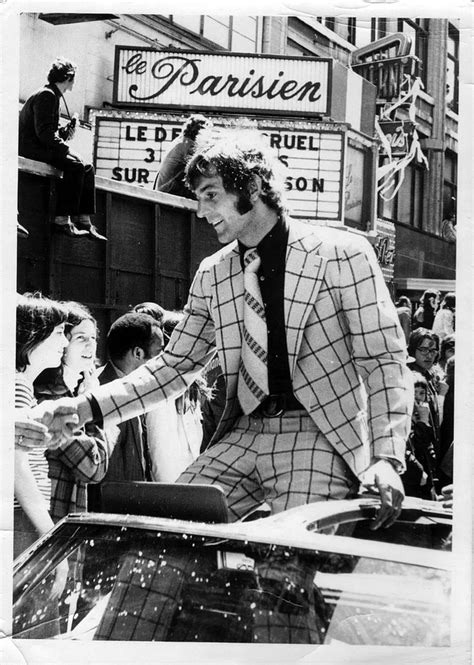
41, 138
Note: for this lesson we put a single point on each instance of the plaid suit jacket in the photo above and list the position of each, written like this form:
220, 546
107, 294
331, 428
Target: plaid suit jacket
77, 463
346, 348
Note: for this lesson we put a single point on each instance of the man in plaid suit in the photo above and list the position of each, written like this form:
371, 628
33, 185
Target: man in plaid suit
340, 395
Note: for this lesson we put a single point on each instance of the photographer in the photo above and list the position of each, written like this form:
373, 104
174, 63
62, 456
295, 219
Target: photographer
41, 138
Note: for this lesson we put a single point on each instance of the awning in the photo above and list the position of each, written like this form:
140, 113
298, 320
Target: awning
422, 283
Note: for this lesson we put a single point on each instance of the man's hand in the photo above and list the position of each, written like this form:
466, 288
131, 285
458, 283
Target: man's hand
447, 496
60, 417
29, 433
382, 478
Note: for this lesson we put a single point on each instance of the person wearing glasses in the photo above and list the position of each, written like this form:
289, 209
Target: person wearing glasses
41, 138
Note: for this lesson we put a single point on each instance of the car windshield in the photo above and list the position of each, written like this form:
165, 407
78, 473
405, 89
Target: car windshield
102, 582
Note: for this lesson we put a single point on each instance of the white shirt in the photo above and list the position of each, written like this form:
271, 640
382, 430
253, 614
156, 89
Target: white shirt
174, 439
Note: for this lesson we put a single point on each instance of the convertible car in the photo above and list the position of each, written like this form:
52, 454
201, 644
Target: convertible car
316, 574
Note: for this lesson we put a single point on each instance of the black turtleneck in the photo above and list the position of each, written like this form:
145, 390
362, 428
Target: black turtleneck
271, 274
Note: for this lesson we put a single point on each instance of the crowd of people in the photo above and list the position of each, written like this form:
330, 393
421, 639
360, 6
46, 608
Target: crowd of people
432, 312
429, 329
284, 380
56, 356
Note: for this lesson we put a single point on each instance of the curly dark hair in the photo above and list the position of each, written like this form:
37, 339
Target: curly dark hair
36, 318
237, 164
61, 70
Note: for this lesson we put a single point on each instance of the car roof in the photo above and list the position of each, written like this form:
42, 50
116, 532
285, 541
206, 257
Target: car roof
290, 529
317, 515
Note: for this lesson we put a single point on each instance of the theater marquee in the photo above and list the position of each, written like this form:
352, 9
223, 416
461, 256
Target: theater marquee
129, 148
288, 85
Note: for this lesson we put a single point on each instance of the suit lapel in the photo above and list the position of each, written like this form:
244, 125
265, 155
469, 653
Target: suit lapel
228, 295
304, 273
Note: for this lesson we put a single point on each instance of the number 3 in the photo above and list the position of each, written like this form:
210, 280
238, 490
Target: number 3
151, 157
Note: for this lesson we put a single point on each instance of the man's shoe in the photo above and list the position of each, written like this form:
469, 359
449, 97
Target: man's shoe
84, 222
68, 228
21, 231
94, 233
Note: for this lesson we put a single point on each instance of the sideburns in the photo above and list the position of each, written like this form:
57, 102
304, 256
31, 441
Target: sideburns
243, 204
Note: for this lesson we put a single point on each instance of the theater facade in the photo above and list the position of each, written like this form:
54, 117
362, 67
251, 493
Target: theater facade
362, 114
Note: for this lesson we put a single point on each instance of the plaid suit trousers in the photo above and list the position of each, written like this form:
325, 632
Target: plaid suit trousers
284, 461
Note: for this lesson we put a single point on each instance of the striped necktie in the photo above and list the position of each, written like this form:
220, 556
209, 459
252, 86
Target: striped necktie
253, 372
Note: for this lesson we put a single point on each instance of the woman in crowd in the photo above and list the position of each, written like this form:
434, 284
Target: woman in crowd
84, 459
40, 343
446, 351
444, 322
425, 314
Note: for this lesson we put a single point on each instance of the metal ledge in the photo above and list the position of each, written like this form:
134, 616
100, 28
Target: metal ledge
125, 189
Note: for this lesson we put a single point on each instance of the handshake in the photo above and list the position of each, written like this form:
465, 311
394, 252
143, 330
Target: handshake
51, 423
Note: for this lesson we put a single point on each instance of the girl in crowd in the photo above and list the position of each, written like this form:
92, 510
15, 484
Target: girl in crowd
40, 343
444, 322
425, 314
84, 459
420, 475
423, 349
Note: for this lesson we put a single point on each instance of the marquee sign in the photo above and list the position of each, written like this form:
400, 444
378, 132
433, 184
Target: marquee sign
130, 147
145, 77
388, 64
398, 136
389, 75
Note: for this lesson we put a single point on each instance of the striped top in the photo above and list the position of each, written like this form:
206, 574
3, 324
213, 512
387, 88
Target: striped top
24, 398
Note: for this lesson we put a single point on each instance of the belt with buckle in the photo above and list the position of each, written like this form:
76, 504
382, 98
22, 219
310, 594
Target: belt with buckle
277, 404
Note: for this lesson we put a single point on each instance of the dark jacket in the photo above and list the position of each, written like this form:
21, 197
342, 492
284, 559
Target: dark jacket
127, 460
38, 129
171, 174
420, 456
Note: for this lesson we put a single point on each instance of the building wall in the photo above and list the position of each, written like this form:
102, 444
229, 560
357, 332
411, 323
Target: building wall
91, 45
420, 252
83, 43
